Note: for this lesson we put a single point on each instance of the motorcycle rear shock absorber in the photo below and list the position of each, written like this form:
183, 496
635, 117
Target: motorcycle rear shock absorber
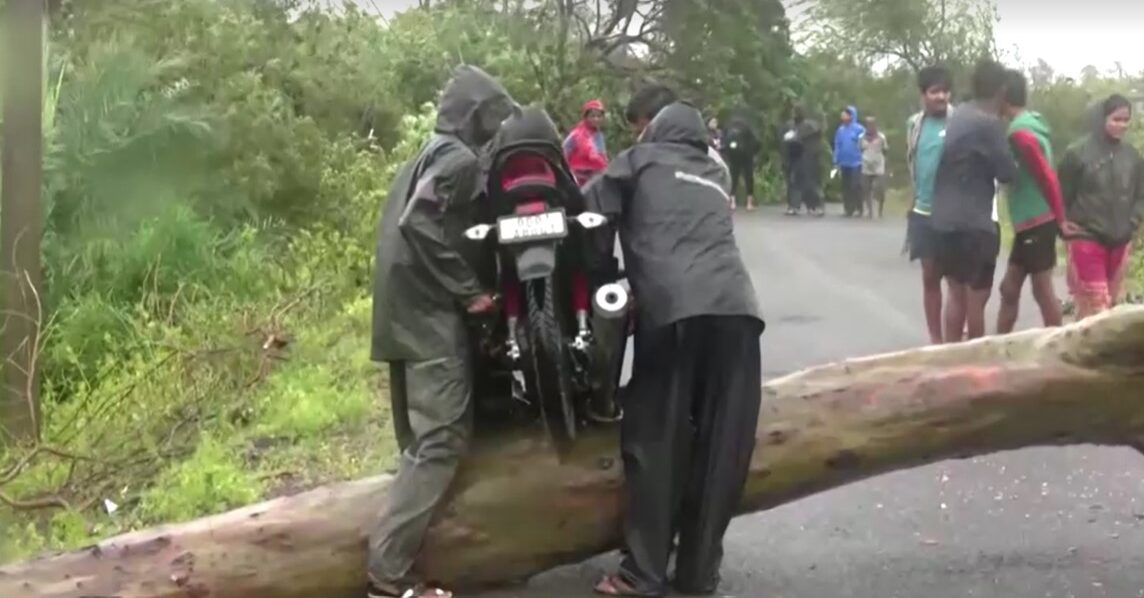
511, 294
580, 303
513, 346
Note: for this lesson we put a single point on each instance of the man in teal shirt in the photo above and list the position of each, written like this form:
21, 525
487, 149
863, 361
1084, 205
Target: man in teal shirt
925, 137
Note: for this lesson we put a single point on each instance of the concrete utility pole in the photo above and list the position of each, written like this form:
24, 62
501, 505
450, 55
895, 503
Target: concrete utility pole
21, 218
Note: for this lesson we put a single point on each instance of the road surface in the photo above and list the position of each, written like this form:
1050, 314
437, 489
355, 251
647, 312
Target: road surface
1054, 522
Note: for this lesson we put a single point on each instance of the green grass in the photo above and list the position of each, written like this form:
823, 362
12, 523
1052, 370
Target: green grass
316, 413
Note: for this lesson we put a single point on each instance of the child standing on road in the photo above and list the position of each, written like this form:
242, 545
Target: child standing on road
874, 148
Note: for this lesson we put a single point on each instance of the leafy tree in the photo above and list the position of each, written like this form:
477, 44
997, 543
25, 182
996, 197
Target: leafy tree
910, 32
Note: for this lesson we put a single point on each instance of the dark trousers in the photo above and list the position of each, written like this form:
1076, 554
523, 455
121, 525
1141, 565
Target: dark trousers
874, 190
742, 169
687, 436
851, 190
802, 190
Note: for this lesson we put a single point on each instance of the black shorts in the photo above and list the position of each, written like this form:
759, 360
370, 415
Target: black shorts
968, 257
1035, 249
922, 236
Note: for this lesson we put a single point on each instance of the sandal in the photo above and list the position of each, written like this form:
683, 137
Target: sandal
614, 585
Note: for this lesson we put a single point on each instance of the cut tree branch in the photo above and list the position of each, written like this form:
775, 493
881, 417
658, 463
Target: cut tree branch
516, 511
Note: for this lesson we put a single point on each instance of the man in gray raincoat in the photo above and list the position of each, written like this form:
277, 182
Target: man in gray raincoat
422, 290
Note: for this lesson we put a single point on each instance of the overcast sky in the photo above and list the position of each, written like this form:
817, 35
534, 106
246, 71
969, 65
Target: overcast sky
1068, 34
1071, 34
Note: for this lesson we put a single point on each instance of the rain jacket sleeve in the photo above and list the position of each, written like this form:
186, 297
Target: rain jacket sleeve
1138, 214
836, 151
1029, 152
441, 195
607, 195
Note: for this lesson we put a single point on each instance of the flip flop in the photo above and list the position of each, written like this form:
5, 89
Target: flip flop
614, 585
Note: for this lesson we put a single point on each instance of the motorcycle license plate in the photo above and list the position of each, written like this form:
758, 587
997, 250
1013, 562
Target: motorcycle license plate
524, 228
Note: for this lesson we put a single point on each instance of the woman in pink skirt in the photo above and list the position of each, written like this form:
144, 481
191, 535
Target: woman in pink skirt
1102, 180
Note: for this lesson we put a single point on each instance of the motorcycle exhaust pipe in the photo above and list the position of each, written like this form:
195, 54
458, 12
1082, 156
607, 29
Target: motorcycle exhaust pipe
611, 305
611, 301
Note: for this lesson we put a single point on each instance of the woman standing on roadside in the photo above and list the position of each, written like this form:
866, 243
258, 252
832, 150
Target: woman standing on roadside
1102, 181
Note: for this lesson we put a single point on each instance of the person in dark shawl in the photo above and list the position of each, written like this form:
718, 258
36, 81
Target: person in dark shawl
801, 153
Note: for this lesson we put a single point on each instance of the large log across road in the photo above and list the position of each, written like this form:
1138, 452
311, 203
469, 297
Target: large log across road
516, 511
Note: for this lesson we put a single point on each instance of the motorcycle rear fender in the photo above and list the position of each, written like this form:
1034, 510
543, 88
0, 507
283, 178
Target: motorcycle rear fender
535, 261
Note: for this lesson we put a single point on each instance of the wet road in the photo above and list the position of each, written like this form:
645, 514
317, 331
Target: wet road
1059, 522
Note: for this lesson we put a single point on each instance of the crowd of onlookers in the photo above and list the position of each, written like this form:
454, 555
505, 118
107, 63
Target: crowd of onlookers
960, 159
1091, 196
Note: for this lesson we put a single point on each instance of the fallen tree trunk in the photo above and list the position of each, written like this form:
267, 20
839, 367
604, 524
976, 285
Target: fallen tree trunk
516, 511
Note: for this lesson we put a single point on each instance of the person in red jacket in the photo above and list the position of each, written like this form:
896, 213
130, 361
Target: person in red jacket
584, 147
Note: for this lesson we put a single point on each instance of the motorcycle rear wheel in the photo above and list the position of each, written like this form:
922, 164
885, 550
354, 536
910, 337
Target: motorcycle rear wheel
551, 366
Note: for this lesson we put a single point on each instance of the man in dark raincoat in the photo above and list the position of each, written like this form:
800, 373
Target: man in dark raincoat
688, 429
646, 104
422, 291
801, 143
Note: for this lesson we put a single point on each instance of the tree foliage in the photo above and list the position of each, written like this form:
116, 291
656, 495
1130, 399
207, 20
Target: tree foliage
910, 32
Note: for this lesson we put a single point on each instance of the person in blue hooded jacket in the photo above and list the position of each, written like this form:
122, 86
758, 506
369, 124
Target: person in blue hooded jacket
848, 160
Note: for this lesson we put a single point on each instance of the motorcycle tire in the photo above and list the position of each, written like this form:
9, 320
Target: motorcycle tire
551, 366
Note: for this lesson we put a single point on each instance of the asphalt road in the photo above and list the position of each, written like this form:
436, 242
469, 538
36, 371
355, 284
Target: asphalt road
1059, 522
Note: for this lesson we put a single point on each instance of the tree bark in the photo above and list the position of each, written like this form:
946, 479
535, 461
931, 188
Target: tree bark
516, 511
21, 219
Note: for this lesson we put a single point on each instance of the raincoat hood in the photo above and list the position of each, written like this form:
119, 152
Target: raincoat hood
1095, 118
678, 123
853, 112
472, 106
1036, 122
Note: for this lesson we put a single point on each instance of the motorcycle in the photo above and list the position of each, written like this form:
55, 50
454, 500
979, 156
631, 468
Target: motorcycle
555, 347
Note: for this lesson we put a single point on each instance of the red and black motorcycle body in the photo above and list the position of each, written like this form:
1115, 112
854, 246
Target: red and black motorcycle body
540, 356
